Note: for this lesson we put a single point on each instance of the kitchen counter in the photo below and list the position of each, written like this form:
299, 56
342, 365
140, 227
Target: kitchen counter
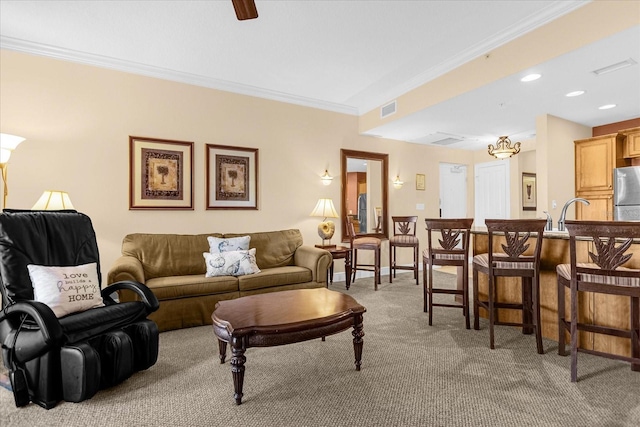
611, 310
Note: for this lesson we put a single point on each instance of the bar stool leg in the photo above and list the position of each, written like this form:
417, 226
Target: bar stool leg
562, 330
492, 310
392, 253
424, 284
574, 335
465, 295
430, 294
635, 332
476, 307
536, 314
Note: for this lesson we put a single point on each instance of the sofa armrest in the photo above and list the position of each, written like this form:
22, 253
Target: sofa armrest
315, 259
126, 268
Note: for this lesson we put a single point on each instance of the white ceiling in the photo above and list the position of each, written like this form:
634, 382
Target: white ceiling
345, 56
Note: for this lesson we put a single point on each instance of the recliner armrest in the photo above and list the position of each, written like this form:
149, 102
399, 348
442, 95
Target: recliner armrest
141, 290
34, 343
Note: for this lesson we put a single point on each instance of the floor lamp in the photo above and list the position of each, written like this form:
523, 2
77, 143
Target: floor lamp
8, 143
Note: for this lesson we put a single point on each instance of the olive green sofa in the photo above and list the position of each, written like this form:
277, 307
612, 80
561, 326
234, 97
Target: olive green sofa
173, 267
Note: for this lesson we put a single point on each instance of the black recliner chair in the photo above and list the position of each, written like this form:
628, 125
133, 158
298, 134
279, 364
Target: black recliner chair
68, 358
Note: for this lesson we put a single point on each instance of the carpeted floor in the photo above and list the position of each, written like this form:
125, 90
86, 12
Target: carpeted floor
412, 375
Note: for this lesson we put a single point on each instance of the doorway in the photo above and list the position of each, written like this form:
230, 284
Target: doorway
453, 190
491, 191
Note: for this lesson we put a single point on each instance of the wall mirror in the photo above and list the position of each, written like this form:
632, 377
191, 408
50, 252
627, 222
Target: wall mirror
365, 179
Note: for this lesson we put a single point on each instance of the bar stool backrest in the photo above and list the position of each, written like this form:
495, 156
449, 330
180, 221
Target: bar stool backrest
517, 253
404, 225
608, 260
454, 239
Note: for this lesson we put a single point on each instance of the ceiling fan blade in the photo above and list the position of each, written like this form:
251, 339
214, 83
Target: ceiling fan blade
245, 9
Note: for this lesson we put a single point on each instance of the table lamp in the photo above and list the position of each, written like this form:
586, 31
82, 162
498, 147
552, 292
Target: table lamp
53, 200
324, 208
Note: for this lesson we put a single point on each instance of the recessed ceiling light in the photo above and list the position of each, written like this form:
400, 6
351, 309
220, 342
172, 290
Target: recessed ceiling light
575, 93
606, 107
530, 77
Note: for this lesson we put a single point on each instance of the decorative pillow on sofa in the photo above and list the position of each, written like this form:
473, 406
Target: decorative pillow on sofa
66, 289
236, 263
219, 244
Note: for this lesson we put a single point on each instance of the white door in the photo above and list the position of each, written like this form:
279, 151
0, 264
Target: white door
491, 191
453, 190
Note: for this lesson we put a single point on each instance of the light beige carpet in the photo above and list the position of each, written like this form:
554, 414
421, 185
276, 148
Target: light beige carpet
412, 375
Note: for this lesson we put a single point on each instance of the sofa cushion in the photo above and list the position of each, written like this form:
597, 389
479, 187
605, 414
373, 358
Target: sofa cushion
273, 248
174, 287
233, 263
229, 244
165, 255
277, 276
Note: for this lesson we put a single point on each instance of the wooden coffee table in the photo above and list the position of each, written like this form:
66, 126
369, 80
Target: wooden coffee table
284, 317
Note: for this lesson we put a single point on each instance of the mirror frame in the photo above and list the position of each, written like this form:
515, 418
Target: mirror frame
365, 155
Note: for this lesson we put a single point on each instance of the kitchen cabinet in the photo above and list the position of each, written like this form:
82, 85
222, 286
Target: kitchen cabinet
631, 142
599, 209
596, 158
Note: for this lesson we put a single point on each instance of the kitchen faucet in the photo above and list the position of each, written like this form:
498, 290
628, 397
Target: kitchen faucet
563, 214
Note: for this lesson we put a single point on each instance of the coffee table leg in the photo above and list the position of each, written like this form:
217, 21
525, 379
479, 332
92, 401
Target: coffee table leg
357, 333
237, 367
222, 347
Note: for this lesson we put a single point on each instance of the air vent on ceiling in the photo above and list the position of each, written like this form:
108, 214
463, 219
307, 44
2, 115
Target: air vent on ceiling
387, 110
614, 67
446, 141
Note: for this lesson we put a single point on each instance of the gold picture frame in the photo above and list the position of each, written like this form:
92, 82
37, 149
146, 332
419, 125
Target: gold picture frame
529, 191
231, 177
420, 181
160, 174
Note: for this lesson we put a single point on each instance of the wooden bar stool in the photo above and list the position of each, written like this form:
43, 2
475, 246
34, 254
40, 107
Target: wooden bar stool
453, 250
607, 242
404, 236
364, 243
511, 262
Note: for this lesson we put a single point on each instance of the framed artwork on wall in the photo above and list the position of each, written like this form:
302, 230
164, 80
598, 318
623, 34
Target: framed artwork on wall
160, 174
529, 193
420, 181
232, 177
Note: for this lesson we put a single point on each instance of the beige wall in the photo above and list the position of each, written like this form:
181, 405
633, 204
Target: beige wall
555, 154
591, 22
77, 119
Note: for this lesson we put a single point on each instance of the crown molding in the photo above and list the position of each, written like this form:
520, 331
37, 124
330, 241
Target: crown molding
55, 52
509, 33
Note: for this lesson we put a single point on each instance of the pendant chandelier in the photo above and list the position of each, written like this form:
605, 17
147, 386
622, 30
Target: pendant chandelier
503, 148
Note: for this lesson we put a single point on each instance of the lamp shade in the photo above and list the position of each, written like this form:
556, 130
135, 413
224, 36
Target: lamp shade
53, 200
8, 143
325, 209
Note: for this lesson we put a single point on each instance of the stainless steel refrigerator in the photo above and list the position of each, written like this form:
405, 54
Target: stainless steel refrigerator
626, 194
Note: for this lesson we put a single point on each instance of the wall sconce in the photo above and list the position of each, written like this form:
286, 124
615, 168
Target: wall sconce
326, 178
397, 183
503, 148
53, 200
325, 209
8, 143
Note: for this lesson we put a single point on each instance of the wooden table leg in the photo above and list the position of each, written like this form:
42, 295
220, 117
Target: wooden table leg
357, 333
237, 367
331, 273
